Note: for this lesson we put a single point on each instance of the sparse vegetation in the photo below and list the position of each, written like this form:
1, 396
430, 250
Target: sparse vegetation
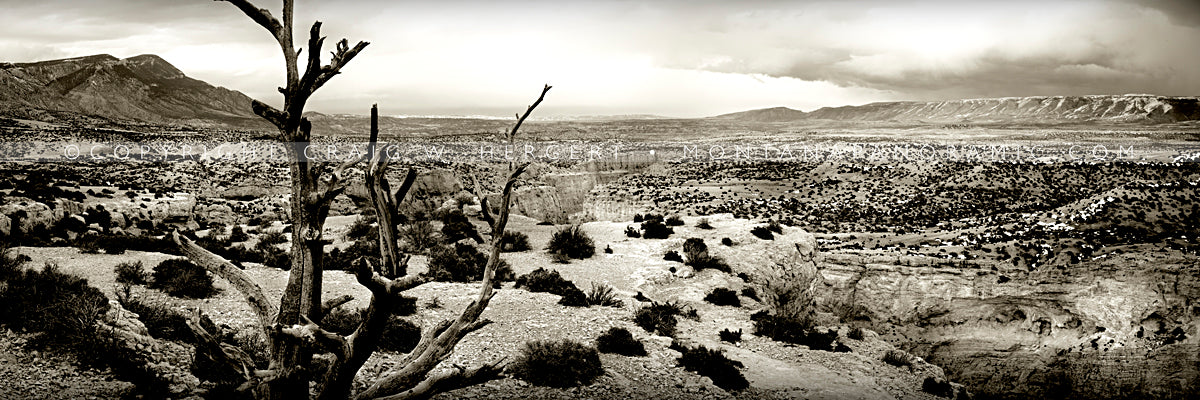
632, 232
704, 224
660, 318
464, 199
762, 232
723, 297
603, 295
419, 237
131, 272
793, 330
362, 228
62, 306
573, 298
514, 241
237, 234
673, 220
10, 261
66, 310
557, 363
463, 263
727, 241
620, 341
399, 335
672, 255
456, 226
544, 280
727, 335
181, 278
572, 242
774, 226
655, 229
698, 257
725, 373
272, 238
549, 281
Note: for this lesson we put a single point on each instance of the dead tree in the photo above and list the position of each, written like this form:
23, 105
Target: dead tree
292, 328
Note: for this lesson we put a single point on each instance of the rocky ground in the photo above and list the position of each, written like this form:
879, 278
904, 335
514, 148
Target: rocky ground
32, 374
775, 370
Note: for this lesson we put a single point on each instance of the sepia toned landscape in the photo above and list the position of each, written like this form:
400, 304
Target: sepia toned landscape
166, 237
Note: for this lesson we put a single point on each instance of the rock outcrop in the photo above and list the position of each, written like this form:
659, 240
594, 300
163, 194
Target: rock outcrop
1122, 327
168, 360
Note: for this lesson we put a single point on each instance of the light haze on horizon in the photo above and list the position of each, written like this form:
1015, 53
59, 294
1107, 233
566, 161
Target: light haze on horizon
671, 58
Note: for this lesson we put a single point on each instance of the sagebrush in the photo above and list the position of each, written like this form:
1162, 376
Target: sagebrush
620, 341
572, 242
557, 363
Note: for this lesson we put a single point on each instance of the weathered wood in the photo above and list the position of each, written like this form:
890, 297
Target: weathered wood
449, 380
293, 337
233, 359
333, 303
255, 297
435, 349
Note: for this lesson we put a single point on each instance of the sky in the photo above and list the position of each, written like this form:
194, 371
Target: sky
672, 58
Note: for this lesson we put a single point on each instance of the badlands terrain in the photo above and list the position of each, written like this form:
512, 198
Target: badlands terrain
1028, 248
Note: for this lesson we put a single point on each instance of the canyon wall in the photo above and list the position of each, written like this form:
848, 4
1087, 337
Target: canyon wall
1118, 327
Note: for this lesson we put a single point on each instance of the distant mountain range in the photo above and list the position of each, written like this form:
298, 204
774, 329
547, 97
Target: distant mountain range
147, 88
143, 88
1039, 109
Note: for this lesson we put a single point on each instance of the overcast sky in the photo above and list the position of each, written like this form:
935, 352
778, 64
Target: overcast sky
674, 58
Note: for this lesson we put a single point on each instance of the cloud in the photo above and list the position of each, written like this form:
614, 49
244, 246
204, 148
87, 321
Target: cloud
1182, 12
930, 50
674, 57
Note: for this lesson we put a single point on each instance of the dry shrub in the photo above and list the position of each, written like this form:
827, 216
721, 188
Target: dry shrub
558, 363
572, 242
620, 341
132, 272
725, 373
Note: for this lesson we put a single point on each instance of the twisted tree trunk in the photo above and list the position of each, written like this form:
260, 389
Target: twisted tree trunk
292, 329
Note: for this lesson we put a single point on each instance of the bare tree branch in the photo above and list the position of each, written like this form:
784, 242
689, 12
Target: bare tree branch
314, 335
449, 380
428, 336
260, 16
263, 309
230, 357
342, 56
521, 120
484, 213
316, 75
271, 114
418, 364
331, 304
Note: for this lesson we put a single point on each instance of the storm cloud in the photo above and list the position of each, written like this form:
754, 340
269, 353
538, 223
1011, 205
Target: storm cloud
680, 58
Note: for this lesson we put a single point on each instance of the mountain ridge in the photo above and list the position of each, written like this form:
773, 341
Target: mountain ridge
143, 88
147, 88
1145, 108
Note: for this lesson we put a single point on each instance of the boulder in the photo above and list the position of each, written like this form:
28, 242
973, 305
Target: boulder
29, 213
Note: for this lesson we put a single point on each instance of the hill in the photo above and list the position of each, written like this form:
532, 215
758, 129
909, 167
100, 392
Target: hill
1139, 108
143, 88
774, 114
